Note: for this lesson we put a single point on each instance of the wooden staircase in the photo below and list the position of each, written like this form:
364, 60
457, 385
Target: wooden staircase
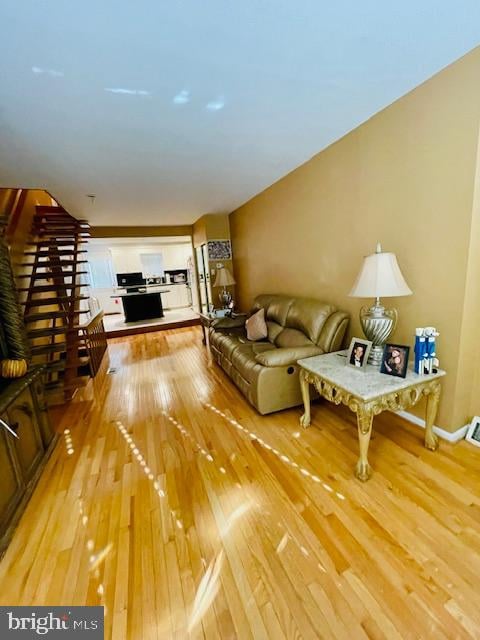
53, 289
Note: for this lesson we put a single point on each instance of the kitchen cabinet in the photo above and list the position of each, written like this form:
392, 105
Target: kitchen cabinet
23, 409
177, 296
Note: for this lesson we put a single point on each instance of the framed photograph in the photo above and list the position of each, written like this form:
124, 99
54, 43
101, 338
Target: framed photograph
395, 360
473, 433
219, 250
358, 353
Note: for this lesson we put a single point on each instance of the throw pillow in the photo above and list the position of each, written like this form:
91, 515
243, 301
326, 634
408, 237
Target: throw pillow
256, 326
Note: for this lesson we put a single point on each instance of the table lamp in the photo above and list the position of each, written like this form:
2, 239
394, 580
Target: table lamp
224, 279
380, 276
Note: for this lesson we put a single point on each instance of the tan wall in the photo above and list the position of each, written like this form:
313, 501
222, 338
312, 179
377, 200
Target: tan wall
468, 379
141, 232
404, 178
19, 235
199, 233
211, 227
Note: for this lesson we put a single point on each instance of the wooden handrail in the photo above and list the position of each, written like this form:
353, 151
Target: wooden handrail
92, 320
95, 340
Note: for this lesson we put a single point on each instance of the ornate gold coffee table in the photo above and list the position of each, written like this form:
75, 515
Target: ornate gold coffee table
368, 393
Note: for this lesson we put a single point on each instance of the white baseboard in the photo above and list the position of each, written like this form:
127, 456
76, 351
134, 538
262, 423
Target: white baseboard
454, 436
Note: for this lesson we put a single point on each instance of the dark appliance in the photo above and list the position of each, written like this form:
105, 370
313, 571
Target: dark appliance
133, 281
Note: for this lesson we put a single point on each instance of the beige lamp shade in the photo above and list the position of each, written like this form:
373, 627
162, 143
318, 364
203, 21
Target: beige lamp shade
380, 277
224, 278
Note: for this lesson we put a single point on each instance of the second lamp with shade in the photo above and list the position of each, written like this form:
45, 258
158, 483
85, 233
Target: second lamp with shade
224, 279
379, 277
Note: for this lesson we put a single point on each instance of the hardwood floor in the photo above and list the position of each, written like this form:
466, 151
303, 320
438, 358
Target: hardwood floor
173, 503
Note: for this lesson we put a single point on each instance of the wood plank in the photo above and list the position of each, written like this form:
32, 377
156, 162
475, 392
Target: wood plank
175, 485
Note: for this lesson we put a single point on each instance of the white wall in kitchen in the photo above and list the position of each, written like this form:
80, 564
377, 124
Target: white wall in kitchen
125, 258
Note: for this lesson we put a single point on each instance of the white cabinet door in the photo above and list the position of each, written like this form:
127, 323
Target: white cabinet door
183, 299
166, 300
176, 298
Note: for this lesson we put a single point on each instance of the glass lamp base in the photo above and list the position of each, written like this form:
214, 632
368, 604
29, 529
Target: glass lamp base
225, 297
378, 324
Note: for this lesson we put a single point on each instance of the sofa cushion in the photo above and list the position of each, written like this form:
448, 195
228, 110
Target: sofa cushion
308, 316
287, 356
276, 307
256, 327
273, 330
292, 338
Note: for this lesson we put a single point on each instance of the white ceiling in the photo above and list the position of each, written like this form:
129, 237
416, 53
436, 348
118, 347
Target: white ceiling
212, 101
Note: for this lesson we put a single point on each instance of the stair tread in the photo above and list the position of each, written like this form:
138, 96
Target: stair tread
44, 349
62, 236
42, 275
58, 252
58, 214
45, 332
61, 215
55, 218
58, 219
52, 261
57, 347
58, 243
50, 208
61, 365
52, 315
52, 287
58, 300
61, 231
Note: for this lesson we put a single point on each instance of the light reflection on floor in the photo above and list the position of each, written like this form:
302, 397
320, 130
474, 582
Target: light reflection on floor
253, 436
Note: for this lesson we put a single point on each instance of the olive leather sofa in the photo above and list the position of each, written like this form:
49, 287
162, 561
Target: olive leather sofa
266, 372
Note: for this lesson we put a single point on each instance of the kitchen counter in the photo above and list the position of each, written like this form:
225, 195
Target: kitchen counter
143, 292
142, 305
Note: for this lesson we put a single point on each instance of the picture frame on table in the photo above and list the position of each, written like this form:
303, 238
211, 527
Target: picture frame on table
395, 360
358, 352
473, 433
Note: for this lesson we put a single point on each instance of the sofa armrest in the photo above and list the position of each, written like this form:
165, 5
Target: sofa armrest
228, 323
286, 355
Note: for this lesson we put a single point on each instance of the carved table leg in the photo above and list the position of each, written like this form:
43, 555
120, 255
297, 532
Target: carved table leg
433, 398
305, 388
364, 423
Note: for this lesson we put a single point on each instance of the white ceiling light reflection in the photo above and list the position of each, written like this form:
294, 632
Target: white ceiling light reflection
182, 98
206, 592
128, 92
215, 105
49, 72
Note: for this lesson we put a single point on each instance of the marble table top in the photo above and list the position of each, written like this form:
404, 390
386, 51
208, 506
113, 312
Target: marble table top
366, 384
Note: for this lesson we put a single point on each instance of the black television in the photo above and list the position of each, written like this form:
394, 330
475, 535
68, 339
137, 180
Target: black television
132, 281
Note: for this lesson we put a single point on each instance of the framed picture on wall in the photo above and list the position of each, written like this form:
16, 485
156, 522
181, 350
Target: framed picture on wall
219, 250
473, 433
